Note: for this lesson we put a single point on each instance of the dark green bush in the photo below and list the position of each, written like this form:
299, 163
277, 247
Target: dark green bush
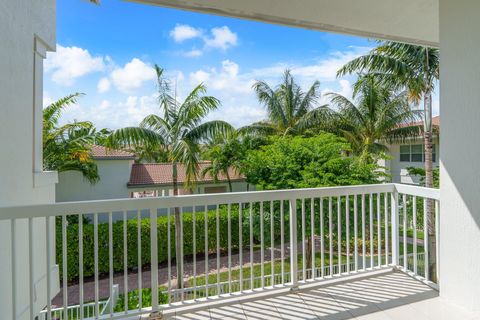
132, 240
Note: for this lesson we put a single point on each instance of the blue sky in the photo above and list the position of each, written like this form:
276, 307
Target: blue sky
107, 52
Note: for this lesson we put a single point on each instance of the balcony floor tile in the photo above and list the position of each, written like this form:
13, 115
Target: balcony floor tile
387, 296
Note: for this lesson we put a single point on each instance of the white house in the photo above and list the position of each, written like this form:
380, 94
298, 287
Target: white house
410, 153
27, 194
114, 168
121, 178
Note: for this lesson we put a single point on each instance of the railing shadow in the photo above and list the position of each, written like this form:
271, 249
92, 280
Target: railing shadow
344, 300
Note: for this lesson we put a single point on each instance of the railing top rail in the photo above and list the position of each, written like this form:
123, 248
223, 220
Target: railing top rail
127, 204
412, 190
120, 205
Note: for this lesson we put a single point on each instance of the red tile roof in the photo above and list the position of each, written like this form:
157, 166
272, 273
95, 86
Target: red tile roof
161, 174
435, 123
100, 152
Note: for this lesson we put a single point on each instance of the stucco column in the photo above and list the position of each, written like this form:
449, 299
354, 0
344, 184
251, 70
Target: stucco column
460, 152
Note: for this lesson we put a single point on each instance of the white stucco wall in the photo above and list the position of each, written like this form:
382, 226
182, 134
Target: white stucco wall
27, 29
114, 176
398, 169
460, 177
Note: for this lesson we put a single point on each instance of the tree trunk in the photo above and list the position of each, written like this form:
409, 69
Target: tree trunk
427, 137
229, 181
308, 255
178, 231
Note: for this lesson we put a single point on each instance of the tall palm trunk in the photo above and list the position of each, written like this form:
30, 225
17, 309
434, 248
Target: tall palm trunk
427, 137
178, 231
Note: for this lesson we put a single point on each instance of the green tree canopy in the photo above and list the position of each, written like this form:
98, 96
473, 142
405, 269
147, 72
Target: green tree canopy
67, 147
298, 162
229, 151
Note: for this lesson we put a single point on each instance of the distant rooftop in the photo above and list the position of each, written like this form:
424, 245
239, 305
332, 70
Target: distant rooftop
161, 174
103, 153
435, 122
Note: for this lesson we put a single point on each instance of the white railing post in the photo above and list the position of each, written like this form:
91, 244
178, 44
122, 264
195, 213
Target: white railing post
437, 240
154, 258
395, 234
293, 243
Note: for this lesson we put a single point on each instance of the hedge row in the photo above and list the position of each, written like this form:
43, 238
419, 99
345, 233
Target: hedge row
162, 231
132, 241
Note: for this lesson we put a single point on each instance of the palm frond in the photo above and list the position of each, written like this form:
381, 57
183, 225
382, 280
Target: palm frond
347, 108
131, 136
261, 129
320, 117
269, 98
208, 130
156, 124
53, 112
309, 99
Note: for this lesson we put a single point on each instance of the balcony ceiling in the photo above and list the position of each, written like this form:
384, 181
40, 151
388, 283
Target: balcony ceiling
412, 21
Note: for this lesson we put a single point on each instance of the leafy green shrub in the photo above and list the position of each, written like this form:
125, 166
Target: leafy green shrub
133, 300
297, 162
132, 240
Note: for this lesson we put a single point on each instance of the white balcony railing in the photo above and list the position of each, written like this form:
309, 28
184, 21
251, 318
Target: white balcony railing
246, 242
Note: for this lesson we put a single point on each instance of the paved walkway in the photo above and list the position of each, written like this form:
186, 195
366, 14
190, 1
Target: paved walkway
132, 277
103, 284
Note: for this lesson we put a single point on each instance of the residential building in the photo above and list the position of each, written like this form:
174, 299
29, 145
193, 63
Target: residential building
410, 153
155, 179
121, 177
27, 196
114, 168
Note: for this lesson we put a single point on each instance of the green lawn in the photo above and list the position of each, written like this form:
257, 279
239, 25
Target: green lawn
246, 270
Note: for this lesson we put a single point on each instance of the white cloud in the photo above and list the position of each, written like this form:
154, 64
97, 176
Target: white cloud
105, 105
226, 81
244, 114
132, 76
436, 103
199, 77
221, 38
70, 63
47, 100
324, 69
193, 53
230, 68
103, 85
183, 32
226, 78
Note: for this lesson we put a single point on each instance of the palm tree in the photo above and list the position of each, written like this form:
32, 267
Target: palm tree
288, 106
226, 154
413, 68
68, 147
376, 115
416, 69
178, 132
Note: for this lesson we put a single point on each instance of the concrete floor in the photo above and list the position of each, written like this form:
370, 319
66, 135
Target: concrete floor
387, 296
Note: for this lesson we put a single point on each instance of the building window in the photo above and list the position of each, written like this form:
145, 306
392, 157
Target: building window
415, 153
217, 189
405, 153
